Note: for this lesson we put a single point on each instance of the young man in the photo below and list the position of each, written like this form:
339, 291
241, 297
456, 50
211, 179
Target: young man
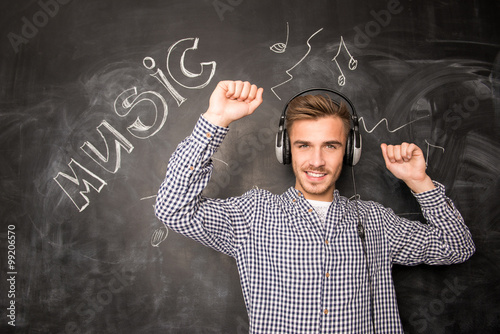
306, 270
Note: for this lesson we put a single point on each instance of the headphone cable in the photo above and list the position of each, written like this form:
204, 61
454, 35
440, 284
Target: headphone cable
362, 236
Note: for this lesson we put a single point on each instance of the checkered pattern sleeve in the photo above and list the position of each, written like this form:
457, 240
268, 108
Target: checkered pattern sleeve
219, 224
445, 239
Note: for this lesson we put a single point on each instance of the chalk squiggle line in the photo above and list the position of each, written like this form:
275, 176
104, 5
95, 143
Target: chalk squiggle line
288, 71
427, 155
148, 197
225, 163
435, 146
397, 129
387, 124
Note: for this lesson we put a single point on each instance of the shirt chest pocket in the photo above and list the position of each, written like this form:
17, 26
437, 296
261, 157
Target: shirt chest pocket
360, 259
376, 249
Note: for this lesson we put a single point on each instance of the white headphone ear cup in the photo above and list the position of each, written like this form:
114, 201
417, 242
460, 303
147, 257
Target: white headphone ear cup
356, 153
279, 148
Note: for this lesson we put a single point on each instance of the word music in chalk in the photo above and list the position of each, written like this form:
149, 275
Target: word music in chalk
78, 183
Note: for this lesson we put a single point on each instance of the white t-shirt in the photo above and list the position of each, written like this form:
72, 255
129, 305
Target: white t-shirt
321, 209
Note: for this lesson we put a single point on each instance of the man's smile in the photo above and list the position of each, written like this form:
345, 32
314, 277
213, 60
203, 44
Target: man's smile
315, 175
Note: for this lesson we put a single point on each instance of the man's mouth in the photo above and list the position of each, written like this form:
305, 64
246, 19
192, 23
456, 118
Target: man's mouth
315, 174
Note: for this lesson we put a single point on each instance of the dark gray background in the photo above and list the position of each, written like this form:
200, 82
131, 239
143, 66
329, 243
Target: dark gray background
429, 66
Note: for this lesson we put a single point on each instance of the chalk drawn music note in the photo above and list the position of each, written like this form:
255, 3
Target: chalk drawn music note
353, 63
291, 68
281, 47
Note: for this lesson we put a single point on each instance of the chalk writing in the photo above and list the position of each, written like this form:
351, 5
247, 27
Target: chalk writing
300, 61
120, 142
184, 70
153, 107
160, 76
71, 185
129, 100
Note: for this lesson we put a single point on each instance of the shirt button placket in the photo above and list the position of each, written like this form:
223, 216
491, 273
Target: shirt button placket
327, 285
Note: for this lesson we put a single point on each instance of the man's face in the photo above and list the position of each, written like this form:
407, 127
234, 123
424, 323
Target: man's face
317, 148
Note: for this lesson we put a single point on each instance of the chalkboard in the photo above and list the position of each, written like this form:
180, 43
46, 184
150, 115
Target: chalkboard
96, 95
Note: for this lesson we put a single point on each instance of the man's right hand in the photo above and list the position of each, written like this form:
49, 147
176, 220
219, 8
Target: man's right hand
232, 100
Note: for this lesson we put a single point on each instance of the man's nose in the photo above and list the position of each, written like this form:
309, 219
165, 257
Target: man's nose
317, 158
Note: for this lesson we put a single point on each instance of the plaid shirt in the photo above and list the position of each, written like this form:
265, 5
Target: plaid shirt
296, 275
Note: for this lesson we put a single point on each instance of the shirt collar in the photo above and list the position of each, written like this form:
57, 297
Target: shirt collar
293, 195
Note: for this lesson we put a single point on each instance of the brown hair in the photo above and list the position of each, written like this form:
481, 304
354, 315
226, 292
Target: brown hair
314, 107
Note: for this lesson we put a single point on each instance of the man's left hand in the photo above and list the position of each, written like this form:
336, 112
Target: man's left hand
407, 163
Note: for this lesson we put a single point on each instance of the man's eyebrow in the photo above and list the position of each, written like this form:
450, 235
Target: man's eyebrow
329, 142
333, 142
301, 142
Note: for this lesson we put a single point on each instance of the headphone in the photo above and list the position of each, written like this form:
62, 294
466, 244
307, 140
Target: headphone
353, 145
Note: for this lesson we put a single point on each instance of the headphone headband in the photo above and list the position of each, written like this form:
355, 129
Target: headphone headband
324, 90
